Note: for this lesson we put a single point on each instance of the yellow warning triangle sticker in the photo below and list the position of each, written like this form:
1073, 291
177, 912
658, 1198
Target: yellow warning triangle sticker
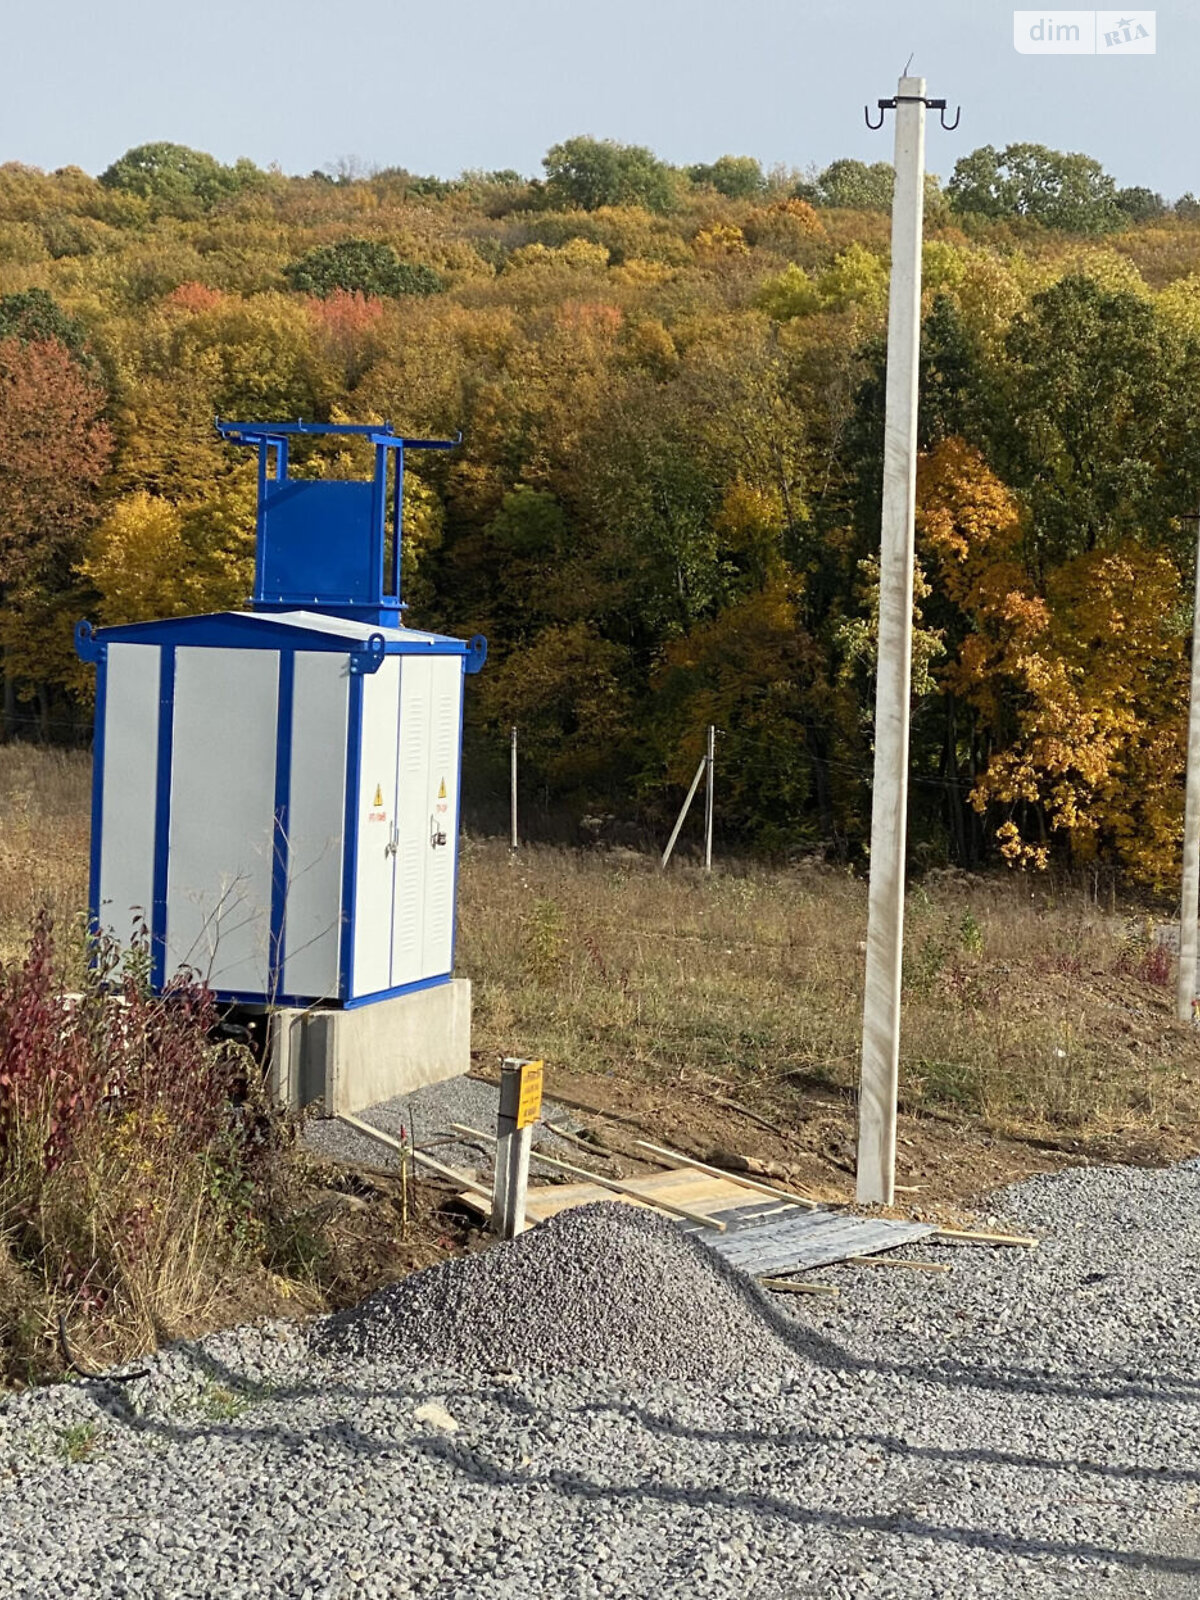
442, 790
378, 795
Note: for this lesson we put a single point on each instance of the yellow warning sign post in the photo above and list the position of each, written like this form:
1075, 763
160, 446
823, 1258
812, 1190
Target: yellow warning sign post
529, 1104
520, 1108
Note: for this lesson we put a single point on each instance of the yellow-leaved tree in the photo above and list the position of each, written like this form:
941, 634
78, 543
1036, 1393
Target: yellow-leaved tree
1075, 694
144, 561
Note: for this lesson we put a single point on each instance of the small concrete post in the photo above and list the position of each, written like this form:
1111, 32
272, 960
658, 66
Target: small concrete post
1185, 994
514, 1139
889, 801
710, 759
512, 790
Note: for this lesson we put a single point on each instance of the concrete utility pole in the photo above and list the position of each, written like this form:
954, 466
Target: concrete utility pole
1186, 990
710, 760
512, 790
889, 804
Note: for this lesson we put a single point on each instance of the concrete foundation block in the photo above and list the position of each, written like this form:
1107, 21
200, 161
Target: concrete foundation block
352, 1059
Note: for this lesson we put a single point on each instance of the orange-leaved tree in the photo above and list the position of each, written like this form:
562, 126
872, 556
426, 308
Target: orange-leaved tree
54, 449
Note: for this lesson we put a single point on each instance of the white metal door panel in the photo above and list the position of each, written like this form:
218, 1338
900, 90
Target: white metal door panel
316, 812
222, 816
374, 859
129, 785
412, 820
444, 756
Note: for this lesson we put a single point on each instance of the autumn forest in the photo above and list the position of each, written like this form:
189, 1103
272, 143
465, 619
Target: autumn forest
664, 512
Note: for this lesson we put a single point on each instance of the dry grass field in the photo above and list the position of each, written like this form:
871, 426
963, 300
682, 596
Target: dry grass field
45, 815
1031, 1013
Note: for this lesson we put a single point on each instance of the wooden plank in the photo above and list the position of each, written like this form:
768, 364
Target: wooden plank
688, 1189
731, 1177
559, 1132
897, 1261
787, 1286
549, 1201
966, 1236
608, 1183
416, 1155
691, 1189
543, 1203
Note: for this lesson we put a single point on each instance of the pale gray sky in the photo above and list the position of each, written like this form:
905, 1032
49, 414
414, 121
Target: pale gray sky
437, 89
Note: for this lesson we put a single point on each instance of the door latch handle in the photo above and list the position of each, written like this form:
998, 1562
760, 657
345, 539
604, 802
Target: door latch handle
437, 836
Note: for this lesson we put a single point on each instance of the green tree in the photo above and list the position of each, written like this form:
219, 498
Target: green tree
739, 177
177, 177
590, 173
1140, 204
360, 266
753, 671
1085, 412
517, 572
856, 278
855, 186
1071, 192
33, 315
652, 491
567, 690
1094, 421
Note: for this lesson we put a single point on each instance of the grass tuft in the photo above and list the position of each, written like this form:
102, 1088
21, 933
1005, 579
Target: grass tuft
77, 1442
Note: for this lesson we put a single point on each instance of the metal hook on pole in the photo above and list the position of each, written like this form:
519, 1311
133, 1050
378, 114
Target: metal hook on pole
911, 99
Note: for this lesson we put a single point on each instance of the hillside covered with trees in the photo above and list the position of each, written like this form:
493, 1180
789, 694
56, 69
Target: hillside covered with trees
665, 510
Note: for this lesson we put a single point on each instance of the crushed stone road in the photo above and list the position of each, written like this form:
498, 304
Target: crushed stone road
1027, 1426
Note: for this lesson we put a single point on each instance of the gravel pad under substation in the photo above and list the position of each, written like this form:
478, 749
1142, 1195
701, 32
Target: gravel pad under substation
1026, 1426
426, 1114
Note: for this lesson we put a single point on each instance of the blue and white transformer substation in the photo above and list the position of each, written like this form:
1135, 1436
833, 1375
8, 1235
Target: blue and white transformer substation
276, 791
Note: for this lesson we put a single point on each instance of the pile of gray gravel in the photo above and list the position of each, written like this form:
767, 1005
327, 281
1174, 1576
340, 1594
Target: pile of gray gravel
601, 1288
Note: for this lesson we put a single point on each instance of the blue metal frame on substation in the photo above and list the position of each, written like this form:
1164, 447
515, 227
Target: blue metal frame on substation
350, 837
296, 564
162, 816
